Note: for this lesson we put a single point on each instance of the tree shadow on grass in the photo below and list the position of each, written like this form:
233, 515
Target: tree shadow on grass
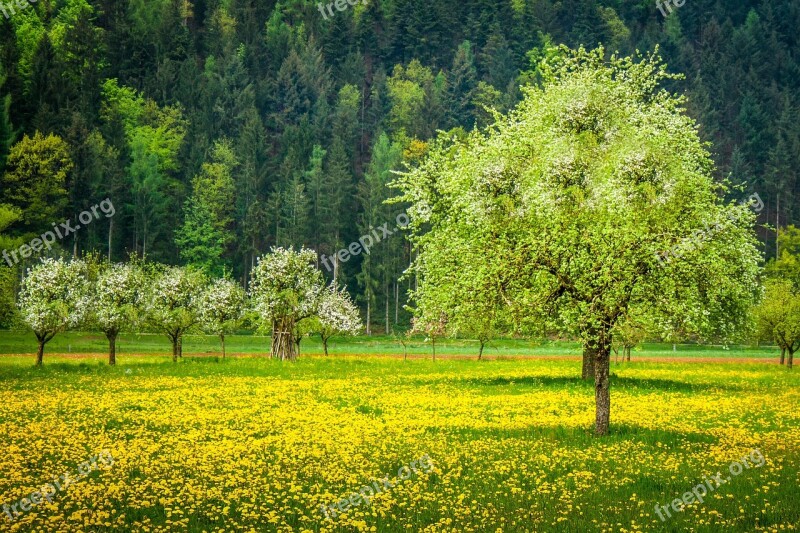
579, 436
623, 383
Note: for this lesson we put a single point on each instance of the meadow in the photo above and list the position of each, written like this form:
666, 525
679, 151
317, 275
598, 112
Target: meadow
252, 444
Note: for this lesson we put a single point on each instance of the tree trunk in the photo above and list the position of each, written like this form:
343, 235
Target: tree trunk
480, 353
110, 236
283, 342
180, 346
325, 344
40, 352
628, 353
222, 341
616, 355
790, 359
783, 355
602, 395
112, 347
588, 362
174, 349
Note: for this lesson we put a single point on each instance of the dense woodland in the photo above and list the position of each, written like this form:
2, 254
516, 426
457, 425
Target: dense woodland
222, 128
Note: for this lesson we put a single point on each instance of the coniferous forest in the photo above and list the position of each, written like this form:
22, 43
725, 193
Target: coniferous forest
218, 129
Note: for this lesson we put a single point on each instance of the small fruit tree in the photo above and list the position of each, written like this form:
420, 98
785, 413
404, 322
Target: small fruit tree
338, 315
52, 299
222, 306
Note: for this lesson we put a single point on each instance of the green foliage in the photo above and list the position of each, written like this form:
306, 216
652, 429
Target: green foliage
142, 92
563, 209
200, 242
778, 316
36, 178
787, 266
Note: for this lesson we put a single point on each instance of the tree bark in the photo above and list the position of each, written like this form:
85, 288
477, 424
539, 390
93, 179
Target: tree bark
222, 340
174, 349
783, 355
283, 342
40, 352
480, 353
388, 324
112, 347
790, 359
602, 394
587, 372
325, 344
628, 353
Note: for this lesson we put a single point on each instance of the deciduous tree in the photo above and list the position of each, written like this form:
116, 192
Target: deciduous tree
222, 307
589, 178
52, 299
285, 289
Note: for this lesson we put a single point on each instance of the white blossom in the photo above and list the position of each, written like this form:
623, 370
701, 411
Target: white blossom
51, 297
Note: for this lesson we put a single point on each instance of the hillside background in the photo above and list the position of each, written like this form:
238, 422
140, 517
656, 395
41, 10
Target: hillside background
222, 128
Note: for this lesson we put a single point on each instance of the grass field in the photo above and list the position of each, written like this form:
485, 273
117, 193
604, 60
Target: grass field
95, 344
251, 444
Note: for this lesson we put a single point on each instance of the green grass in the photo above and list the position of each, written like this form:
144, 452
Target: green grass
249, 443
13, 342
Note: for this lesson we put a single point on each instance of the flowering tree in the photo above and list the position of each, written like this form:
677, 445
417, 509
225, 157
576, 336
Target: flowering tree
51, 299
172, 303
571, 199
285, 289
222, 307
114, 301
628, 333
778, 317
338, 315
432, 325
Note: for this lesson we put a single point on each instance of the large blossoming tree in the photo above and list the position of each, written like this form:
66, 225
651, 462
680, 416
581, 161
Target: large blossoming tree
565, 206
286, 288
52, 299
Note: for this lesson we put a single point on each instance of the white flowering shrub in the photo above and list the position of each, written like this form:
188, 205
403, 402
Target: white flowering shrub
115, 301
222, 306
172, 302
286, 288
52, 299
338, 315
